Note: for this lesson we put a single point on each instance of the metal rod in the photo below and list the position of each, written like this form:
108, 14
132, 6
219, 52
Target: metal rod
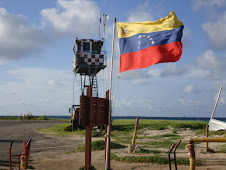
207, 134
170, 150
216, 101
73, 88
99, 25
107, 163
223, 139
174, 153
192, 154
10, 156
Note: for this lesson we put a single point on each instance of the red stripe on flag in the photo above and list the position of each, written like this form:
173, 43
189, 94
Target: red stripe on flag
150, 56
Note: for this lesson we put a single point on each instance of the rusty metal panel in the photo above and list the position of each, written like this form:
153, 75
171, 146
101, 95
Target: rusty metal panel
93, 110
102, 111
107, 94
84, 111
89, 91
98, 111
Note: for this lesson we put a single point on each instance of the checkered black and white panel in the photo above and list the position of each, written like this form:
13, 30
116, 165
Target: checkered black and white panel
94, 59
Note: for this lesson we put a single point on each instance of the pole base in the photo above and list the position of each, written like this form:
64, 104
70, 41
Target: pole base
131, 148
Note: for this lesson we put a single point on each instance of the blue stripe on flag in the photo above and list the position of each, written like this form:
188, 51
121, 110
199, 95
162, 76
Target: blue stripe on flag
144, 40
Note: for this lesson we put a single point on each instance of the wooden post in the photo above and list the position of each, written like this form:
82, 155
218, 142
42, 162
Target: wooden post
135, 132
207, 134
88, 138
88, 148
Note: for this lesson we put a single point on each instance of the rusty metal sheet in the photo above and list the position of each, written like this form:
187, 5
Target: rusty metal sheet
84, 111
89, 91
93, 110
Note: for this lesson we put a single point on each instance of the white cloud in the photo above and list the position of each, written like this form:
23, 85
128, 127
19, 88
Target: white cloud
141, 14
136, 74
198, 72
216, 32
188, 89
73, 17
222, 100
38, 90
187, 35
154, 72
208, 60
139, 82
181, 100
197, 4
127, 106
18, 37
173, 70
192, 89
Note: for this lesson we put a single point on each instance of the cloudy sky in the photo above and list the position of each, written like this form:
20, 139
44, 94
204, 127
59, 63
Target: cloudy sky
36, 40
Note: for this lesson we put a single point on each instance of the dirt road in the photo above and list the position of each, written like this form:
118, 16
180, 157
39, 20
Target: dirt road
24, 130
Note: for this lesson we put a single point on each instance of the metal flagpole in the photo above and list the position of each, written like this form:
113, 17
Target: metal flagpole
107, 162
216, 101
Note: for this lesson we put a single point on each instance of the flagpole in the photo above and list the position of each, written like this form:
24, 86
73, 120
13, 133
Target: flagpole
107, 161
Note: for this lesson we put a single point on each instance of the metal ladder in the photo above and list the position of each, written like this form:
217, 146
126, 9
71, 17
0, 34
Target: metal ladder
93, 81
95, 86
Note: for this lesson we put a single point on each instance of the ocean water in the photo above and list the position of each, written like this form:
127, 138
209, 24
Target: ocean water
150, 118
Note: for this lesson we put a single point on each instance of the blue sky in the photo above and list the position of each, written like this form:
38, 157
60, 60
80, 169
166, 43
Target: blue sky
36, 40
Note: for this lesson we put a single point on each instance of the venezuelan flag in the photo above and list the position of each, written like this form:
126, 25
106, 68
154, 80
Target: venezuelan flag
147, 43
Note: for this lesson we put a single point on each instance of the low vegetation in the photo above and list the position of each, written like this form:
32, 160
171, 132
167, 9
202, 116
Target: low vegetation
128, 125
148, 159
222, 148
169, 136
25, 117
60, 130
125, 128
122, 134
100, 145
211, 133
162, 144
148, 151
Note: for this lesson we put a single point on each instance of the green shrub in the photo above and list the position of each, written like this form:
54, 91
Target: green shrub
147, 151
222, 148
175, 131
100, 145
8, 118
30, 117
149, 159
43, 118
140, 159
68, 128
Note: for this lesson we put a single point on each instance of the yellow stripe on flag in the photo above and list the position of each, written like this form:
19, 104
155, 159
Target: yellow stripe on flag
129, 29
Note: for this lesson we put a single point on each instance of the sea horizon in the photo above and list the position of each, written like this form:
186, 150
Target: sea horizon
134, 117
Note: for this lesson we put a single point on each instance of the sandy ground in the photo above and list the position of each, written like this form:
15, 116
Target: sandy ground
49, 151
